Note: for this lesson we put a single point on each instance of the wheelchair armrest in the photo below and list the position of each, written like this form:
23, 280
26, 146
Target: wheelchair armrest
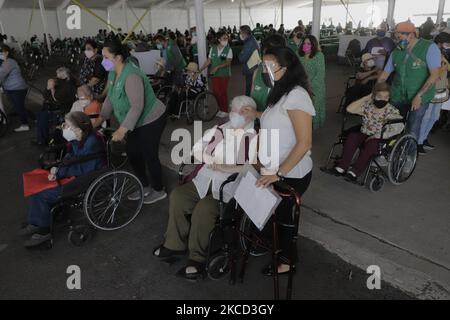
285, 190
89, 157
388, 123
181, 169
230, 179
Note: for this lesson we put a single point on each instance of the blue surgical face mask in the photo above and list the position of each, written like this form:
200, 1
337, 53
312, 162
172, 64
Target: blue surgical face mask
403, 44
108, 65
381, 34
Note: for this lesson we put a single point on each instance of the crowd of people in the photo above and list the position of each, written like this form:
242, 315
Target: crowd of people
400, 76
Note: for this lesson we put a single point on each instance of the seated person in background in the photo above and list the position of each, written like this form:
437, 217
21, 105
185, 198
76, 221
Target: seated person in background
194, 83
61, 92
199, 198
366, 78
86, 102
375, 110
78, 131
60, 96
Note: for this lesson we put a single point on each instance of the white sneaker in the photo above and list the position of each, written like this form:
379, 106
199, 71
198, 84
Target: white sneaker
135, 196
23, 128
222, 114
155, 196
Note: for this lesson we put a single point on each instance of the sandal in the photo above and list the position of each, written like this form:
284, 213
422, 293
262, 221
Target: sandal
268, 271
193, 271
162, 252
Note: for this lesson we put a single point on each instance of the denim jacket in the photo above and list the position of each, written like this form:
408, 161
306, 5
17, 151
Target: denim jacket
92, 145
250, 45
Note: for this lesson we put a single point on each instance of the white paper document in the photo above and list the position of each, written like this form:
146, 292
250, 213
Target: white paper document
254, 60
258, 203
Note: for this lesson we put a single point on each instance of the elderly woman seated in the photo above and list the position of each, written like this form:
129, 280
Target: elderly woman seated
86, 102
199, 198
78, 131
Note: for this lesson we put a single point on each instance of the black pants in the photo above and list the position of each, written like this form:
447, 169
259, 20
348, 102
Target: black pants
143, 152
17, 98
286, 228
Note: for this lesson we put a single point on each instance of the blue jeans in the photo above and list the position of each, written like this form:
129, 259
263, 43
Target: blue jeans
432, 115
415, 121
17, 98
248, 84
40, 204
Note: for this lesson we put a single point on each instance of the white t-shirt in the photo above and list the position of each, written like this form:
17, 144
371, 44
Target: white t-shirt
219, 52
277, 118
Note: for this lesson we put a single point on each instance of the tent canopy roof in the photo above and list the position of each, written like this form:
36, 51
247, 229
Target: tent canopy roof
102, 4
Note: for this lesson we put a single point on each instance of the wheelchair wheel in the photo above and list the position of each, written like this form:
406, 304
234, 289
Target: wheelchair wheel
402, 160
163, 94
190, 113
3, 123
79, 235
219, 266
206, 106
107, 204
247, 228
376, 183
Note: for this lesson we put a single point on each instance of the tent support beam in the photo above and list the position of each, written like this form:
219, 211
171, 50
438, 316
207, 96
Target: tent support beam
45, 23
440, 14
390, 16
201, 32
317, 11
2, 29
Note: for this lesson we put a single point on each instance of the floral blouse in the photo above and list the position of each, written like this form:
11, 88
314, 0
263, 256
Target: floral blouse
93, 68
373, 121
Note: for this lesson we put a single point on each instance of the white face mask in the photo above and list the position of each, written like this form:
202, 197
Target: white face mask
69, 135
223, 43
236, 120
89, 53
242, 37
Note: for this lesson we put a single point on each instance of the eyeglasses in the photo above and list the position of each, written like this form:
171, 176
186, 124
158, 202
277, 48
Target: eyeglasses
65, 125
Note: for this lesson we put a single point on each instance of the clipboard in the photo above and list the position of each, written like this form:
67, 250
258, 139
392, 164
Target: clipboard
258, 203
254, 60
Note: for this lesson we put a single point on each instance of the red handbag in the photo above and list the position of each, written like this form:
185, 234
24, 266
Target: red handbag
37, 180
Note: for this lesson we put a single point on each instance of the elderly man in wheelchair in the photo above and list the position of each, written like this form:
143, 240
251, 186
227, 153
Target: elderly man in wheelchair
379, 139
194, 206
78, 131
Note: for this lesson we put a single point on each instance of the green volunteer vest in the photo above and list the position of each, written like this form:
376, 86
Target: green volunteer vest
119, 99
411, 73
216, 60
171, 57
260, 91
291, 44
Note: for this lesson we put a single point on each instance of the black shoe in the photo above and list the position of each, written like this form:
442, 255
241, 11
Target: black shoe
428, 146
162, 252
37, 143
351, 177
421, 150
268, 271
192, 276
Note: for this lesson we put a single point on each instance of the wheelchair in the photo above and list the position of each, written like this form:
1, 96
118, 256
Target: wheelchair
345, 99
235, 238
204, 106
102, 197
395, 161
3, 123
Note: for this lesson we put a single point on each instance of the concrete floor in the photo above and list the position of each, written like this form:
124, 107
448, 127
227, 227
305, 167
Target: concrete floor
404, 230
